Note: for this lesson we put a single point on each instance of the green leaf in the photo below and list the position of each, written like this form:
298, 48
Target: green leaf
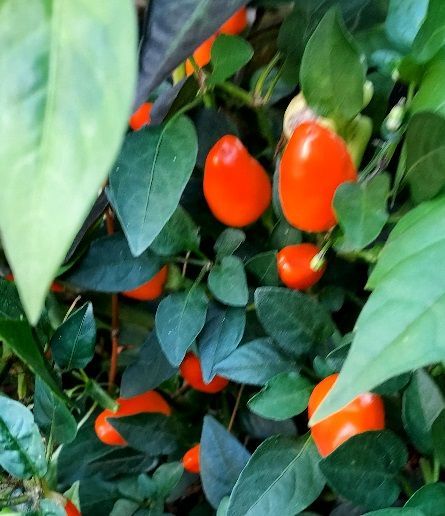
400, 328
431, 36
223, 331
222, 458
179, 319
229, 54
361, 211
167, 476
404, 20
72, 345
135, 430
263, 267
18, 335
254, 363
22, 453
124, 507
143, 190
109, 266
430, 499
431, 93
180, 233
438, 437
373, 459
295, 320
228, 242
55, 158
425, 156
282, 477
10, 306
52, 415
284, 396
422, 404
332, 73
395, 511
148, 371
227, 282
284, 234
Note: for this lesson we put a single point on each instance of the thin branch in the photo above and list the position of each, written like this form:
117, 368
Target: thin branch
235, 409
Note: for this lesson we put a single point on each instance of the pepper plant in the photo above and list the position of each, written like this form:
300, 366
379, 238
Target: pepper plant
222, 243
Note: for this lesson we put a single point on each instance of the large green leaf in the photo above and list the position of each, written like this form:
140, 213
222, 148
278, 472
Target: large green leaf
229, 54
431, 93
295, 320
404, 20
72, 345
150, 175
401, 326
430, 499
372, 459
282, 477
431, 36
227, 282
64, 111
332, 72
425, 155
22, 453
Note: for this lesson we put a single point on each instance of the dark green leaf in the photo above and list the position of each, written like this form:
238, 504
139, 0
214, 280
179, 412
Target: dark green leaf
332, 73
222, 458
149, 370
292, 318
422, 403
430, 499
254, 363
282, 477
22, 453
229, 54
284, 234
143, 190
431, 36
223, 331
42, 209
228, 242
361, 211
431, 93
372, 459
72, 345
404, 20
425, 156
52, 415
179, 319
109, 266
284, 396
167, 476
227, 282
395, 511
180, 233
438, 437
399, 328
263, 267
10, 306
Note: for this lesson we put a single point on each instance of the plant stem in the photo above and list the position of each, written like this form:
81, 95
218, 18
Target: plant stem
235, 408
258, 90
238, 93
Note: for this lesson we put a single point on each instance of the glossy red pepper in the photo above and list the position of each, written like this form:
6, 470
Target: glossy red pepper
236, 23
191, 371
71, 509
201, 55
141, 117
190, 461
152, 289
295, 268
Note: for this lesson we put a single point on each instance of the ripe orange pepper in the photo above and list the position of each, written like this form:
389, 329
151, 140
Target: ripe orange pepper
236, 186
314, 163
149, 401
191, 371
201, 56
294, 266
190, 461
236, 23
141, 117
152, 289
364, 413
71, 509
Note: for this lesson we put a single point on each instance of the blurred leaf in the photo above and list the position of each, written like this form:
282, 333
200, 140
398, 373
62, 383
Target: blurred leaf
361, 211
223, 331
143, 191
373, 459
72, 345
222, 458
430, 95
254, 363
50, 508
284, 396
135, 430
148, 371
263, 267
399, 328
332, 73
173, 98
422, 404
180, 233
179, 319
124, 507
425, 156
261, 428
281, 477
10, 305
22, 453
172, 32
431, 36
430, 499
227, 282
229, 54
40, 214
228, 242
109, 266
292, 318
167, 476
438, 437
404, 20
52, 415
